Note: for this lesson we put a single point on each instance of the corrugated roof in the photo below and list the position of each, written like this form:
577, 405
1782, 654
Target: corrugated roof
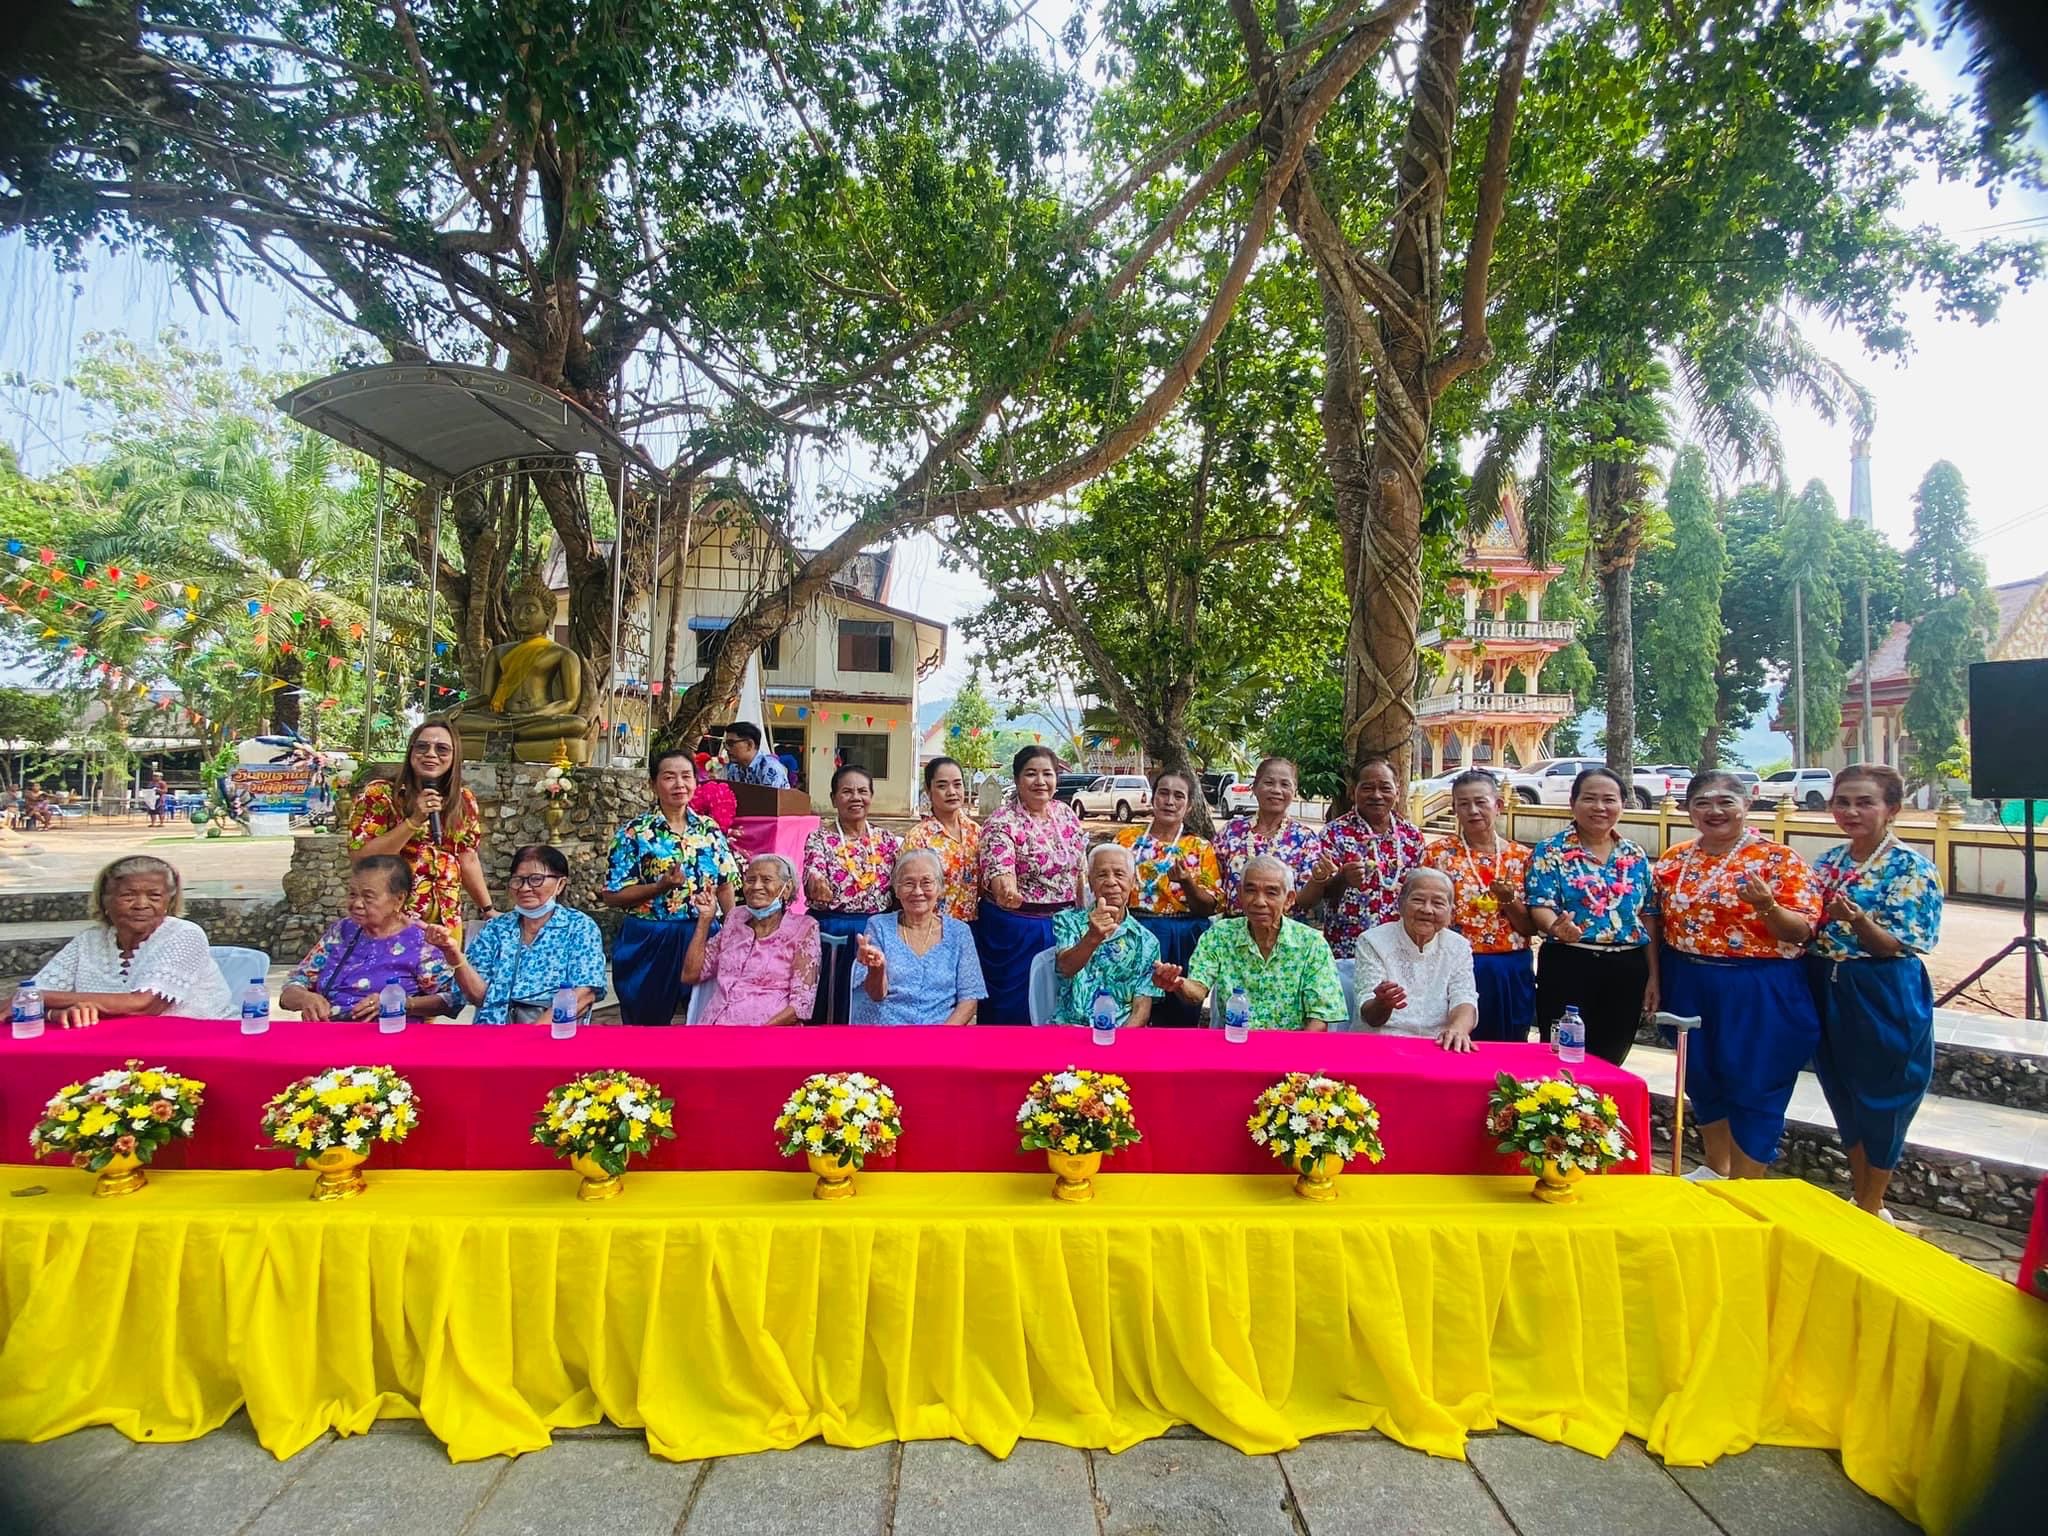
1888, 660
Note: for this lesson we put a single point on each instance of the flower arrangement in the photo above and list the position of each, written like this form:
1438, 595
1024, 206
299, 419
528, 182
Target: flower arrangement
557, 781
350, 1108
1075, 1112
1306, 1117
715, 800
1557, 1120
126, 1111
606, 1117
843, 1117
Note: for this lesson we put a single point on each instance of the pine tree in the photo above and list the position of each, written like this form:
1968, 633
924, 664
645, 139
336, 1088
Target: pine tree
1681, 642
1808, 540
1954, 619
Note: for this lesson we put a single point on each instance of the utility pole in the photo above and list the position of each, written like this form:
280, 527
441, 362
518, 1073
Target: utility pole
1868, 726
1799, 674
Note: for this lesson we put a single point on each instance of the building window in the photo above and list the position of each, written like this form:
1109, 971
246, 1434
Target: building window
867, 645
869, 750
771, 654
707, 647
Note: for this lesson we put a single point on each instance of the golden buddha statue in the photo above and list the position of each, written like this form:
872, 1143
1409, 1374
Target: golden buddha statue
533, 690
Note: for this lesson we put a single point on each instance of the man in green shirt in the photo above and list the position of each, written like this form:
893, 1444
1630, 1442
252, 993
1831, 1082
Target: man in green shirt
1285, 967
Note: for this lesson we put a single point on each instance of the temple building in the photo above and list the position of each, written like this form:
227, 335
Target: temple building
1483, 704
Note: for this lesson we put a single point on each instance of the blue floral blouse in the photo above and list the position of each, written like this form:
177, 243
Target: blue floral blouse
1899, 888
568, 951
1608, 901
647, 847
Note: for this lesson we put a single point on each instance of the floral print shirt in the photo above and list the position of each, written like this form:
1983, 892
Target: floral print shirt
1287, 988
962, 857
857, 868
436, 867
1476, 911
1897, 886
347, 965
1157, 894
1122, 963
757, 978
1238, 844
1700, 901
1608, 901
567, 952
647, 847
1385, 857
1042, 852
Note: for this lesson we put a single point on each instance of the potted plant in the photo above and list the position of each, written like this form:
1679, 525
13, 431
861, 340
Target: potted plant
601, 1120
837, 1121
1315, 1125
1076, 1118
333, 1121
112, 1124
1560, 1129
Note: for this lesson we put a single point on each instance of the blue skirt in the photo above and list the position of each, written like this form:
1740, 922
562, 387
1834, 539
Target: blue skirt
1006, 942
1757, 1030
835, 988
647, 969
1507, 995
1876, 1053
1177, 936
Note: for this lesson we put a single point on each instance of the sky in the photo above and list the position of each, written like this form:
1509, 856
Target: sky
1966, 393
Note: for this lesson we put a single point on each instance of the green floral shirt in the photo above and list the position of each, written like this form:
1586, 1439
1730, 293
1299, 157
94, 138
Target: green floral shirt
1294, 984
1122, 962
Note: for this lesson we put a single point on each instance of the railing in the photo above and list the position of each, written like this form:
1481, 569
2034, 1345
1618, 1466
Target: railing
1558, 705
1560, 630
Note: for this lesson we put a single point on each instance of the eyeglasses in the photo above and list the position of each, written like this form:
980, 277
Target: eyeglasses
433, 749
530, 882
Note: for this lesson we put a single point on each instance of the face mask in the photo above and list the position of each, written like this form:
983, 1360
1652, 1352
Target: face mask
762, 914
545, 909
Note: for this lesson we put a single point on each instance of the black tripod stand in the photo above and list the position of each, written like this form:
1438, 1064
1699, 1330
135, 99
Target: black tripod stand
2028, 946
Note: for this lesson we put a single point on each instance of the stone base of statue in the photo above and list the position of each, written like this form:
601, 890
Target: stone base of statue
508, 746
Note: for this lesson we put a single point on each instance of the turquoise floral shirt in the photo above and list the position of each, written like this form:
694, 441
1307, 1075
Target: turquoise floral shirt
1898, 888
1608, 901
647, 847
1287, 988
568, 951
1122, 962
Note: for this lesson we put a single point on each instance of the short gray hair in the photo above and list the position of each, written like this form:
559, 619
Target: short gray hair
911, 856
1267, 864
1427, 872
127, 869
788, 869
1118, 849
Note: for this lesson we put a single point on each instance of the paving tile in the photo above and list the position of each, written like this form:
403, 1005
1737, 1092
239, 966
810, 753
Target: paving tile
813, 1487
1778, 1490
612, 1485
373, 1485
216, 1483
1371, 1486
37, 1481
944, 1487
1190, 1488
1553, 1490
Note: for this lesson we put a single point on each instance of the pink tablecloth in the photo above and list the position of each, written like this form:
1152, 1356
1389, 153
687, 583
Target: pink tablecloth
959, 1088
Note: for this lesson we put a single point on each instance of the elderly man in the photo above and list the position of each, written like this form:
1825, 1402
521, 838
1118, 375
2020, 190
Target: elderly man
1103, 948
1284, 967
1415, 973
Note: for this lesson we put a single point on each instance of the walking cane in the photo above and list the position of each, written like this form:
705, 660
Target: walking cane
1682, 1026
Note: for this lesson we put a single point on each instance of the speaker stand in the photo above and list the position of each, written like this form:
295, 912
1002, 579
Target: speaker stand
2028, 946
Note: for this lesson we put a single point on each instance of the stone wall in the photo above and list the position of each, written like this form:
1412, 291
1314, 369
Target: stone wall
601, 801
43, 906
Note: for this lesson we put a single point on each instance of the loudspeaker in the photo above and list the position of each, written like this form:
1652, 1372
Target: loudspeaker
2009, 730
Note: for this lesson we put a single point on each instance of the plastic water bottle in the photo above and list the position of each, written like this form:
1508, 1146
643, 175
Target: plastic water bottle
562, 1023
1571, 1037
1102, 1017
391, 1008
28, 1010
256, 1009
1237, 1017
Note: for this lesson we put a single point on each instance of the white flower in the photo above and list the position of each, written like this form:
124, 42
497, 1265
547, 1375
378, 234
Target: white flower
185, 1127
1259, 1138
1297, 1123
324, 1083
113, 1078
388, 1123
641, 1113
353, 1141
364, 1080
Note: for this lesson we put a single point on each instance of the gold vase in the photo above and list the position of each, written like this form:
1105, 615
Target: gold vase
122, 1176
552, 815
1073, 1172
344, 808
1318, 1181
835, 1178
597, 1184
1555, 1185
341, 1173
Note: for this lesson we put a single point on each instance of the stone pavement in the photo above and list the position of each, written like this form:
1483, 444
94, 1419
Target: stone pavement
398, 1480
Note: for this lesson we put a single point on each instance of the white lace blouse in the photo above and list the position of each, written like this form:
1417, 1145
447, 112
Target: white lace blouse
173, 962
1436, 979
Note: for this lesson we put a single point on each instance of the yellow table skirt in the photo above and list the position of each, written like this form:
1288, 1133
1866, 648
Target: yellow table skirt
728, 1312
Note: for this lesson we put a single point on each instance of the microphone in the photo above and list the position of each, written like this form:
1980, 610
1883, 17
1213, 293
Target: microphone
439, 786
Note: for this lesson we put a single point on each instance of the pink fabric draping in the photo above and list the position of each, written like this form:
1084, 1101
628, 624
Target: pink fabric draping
959, 1088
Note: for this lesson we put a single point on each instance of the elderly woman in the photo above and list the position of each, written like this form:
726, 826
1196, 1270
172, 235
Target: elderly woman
516, 962
1487, 871
660, 863
953, 835
1589, 895
1103, 948
1271, 833
1365, 855
847, 870
916, 965
1880, 912
426, 817
1030, 871
1414, 975
765, 958
1179, 883
1285, 968
138, 956
377, 942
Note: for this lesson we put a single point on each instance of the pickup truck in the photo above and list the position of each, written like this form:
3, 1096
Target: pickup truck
1549, 782
1121, 795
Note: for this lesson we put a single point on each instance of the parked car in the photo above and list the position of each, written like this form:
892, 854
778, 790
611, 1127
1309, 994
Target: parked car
1440, 784
1677, 775
1752, 785
1810, 788
1121, 795
1216, 785
1071, 784
1238, 799
1549, 782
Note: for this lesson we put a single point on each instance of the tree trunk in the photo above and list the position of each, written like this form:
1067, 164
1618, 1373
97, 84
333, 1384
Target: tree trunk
1166, 744
1616, 513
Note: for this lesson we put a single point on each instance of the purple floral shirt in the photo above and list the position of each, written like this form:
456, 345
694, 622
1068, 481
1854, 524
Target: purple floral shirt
857, 868
347, 965
1237, 845
1386, 857
758, 978
1042, 852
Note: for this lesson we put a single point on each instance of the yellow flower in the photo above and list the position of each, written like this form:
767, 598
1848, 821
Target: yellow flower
635, 1130
305, 1139
661, 1119
1571, 1122
1526, 1106
67, 1115
1607, 1107
1071, 1142
815, 1134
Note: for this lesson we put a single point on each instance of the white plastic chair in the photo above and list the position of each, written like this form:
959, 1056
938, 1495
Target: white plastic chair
240, 966
1345, 970
1045, 987
700, 1001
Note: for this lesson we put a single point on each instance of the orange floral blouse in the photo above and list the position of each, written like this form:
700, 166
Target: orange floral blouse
1701, 902
961, 855
436, 867
1477, 909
